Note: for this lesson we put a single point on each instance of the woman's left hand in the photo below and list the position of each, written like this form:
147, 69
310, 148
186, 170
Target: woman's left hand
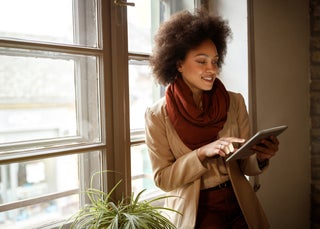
266, 149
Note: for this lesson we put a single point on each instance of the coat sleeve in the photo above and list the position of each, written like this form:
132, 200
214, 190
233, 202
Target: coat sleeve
170, 171
249, 166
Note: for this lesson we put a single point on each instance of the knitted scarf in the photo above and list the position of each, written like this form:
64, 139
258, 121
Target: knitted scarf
194, 126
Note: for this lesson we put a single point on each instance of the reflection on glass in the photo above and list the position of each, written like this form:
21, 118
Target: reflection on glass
38, 215
38, 101
141, 171
143, 92
55, 21
139, 26
41, 95
34, 179
40, 177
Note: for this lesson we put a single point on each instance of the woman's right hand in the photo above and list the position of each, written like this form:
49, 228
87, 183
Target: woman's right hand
221, 147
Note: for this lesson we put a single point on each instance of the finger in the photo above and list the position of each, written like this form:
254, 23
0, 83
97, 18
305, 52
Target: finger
270, 144
262, 149
228, 142
266, 152
264, 156
266, 144
221, 149
225, 150
233, 139
275, 140
226, 147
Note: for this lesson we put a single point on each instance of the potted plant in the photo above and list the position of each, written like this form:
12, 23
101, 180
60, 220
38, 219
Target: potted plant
128, 213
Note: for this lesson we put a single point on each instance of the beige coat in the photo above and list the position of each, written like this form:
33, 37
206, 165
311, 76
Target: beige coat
177, 169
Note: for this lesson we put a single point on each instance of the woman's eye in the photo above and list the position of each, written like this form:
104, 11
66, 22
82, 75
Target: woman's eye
201, 62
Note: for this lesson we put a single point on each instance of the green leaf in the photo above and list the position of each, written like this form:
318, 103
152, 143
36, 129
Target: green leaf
128, 213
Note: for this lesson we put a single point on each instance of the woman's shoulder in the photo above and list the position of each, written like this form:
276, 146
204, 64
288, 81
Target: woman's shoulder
236, 100
155, 115
235, 95
158, 107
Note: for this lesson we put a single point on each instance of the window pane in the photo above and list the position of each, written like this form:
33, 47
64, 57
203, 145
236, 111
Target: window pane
145, 17
46, 95
32, 180
141, 171
143, 92
55, 21
26, 180
139, 26
37, 215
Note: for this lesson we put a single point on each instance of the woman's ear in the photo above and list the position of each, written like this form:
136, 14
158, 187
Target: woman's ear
179, 68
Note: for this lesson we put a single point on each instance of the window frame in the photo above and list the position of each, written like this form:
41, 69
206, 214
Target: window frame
115, 48
17, 152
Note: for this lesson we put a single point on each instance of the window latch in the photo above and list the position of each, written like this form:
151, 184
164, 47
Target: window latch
122, 3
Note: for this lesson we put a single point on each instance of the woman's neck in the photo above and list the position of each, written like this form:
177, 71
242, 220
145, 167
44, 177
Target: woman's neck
197, 97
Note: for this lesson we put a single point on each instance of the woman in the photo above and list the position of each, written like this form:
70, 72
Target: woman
197, 124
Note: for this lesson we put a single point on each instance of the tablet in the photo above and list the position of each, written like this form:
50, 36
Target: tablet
244, 151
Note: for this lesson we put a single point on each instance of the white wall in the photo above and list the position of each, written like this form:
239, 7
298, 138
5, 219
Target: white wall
282, 94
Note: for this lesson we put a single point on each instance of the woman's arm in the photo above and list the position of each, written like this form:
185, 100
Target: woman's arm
170, 169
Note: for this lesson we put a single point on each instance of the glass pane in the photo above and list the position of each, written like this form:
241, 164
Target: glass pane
27, 181
141, 171
145, 17
55, 21
139, 26
143, 92
37, 215
46, 95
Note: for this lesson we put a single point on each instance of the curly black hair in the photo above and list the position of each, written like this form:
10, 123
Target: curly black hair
181, 33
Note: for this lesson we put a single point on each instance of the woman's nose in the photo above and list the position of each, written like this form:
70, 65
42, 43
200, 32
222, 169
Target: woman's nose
212, 68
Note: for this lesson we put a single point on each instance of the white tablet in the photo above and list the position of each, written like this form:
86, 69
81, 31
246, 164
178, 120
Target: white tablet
244, 151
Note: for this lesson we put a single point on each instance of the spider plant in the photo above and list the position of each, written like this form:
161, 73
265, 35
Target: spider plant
128, 213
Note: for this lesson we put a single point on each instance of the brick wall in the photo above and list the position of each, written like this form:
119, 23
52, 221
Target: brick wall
315, 111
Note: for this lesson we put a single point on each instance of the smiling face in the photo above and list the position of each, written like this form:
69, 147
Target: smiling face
200, 68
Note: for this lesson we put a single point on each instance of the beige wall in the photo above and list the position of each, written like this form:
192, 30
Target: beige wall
281, 60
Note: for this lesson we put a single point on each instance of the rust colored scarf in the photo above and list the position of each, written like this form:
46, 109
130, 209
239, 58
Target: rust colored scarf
197, 127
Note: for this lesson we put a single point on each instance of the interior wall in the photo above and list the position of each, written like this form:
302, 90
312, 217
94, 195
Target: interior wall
281, 76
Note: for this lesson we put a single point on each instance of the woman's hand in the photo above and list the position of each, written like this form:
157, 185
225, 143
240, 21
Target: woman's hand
266, 149
221, 147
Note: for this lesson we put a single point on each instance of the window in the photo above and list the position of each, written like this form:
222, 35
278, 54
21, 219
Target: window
73, 92
143, 21
52, 126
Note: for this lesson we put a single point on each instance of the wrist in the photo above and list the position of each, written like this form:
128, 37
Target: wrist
200, 154
262, 163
